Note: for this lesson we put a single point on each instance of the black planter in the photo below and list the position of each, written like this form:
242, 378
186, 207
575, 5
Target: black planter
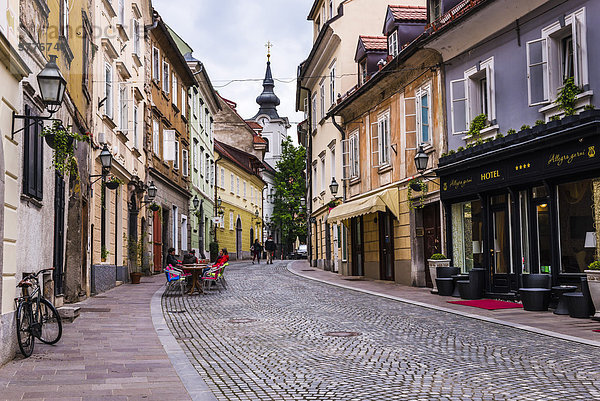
553, 124
50, 140
590, 113
415, 186
112, 185
154, 207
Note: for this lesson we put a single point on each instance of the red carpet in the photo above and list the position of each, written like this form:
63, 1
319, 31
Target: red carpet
596, 331
489, 304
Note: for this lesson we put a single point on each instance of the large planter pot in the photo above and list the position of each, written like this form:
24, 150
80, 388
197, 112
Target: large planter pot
433, 265
50, 140
112, 185
593, 280
135, 277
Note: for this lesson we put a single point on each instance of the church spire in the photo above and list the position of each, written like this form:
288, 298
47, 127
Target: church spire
268, 100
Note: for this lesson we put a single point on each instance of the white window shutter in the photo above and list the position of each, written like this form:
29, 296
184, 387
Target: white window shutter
579, 48
169, 145
346, 159
410, 115
375, 144
459, 106
489, 74
355, 149
537, 71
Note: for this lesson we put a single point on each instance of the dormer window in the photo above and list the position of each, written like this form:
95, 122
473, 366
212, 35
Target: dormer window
363, 71
393, 44
435, 10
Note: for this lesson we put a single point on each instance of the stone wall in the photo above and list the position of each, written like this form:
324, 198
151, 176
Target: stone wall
103, 278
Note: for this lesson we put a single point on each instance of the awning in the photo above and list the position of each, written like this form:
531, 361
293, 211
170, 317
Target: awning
371, 204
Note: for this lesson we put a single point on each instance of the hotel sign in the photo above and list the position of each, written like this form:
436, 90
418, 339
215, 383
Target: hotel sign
536, 165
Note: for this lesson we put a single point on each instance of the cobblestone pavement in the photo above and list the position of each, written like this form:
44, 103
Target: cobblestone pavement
265, 338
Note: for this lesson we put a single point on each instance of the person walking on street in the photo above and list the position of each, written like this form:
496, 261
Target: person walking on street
270, 247
256, 251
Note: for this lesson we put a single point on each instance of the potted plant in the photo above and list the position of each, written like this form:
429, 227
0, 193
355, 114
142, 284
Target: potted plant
155, 207
593, 279
103, 253
436, 260
113, 183
61, 141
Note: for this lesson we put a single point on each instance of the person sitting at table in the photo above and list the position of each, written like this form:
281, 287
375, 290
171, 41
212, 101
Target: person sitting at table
222, 259
172, 259
190, 258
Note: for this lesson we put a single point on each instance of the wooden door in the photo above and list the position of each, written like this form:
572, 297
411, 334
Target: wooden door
432, 236
386, 246
157, 242
356, 241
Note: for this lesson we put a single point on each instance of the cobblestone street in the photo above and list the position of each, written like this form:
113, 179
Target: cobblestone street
269, 337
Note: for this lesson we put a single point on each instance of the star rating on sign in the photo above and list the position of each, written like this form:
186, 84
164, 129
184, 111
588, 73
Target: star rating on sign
523, 166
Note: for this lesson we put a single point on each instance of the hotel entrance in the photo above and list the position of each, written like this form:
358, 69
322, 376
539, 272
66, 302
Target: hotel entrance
499, 246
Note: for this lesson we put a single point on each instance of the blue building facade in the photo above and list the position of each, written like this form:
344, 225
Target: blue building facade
521, 180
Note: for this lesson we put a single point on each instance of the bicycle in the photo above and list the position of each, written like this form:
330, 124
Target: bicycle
36, 316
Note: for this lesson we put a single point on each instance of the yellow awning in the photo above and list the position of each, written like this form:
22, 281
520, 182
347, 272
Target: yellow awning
371, 204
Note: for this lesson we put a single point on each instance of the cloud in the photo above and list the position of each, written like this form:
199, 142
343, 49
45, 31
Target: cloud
229, 37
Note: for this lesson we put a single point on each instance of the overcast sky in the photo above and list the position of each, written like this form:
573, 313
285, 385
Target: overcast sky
229, 37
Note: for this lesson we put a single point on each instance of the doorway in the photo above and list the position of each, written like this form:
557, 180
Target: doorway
157, 241
499, 245
356, 242
238, 238
59, 234
432, 236
386, 246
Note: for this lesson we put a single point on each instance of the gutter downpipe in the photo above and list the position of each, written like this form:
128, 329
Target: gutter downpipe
309, 175
339, 128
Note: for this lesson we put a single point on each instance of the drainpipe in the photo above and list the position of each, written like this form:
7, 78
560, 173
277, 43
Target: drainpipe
216, 210
309, 175
343, 133
155, 19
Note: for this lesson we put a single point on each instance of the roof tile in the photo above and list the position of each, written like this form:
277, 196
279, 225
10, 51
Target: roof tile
409, 13
374, 42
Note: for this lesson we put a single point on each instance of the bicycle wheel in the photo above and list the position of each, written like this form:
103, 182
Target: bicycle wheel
51, 323
24, 333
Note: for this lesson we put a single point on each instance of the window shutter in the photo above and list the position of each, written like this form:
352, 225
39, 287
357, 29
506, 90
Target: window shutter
355, 156
410, 116
346, 159
375, 144
39, 161
579, 48
168, 145
489, 83
459, 105
537, 71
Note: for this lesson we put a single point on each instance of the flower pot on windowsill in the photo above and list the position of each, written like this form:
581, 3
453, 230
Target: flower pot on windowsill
433, 265
593, 280
50, 140
135, 277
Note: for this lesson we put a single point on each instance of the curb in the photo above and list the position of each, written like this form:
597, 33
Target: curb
453, 311
194, 384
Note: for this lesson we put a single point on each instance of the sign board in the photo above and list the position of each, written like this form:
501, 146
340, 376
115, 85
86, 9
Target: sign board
217, 220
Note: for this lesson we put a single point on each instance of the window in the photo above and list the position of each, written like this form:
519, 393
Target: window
175, 228
473, 95
393, 43
183, 101
467, 235
166, 75
185, 163
33, 158
380, 136
175, 90
251, 194
184, 230
155, 64
232, 184
314, 179
237, 186
332, 84
423, 106
136, 37
322, 94
123, 110
331, 9
559, 54
207, 167
86, 31
195, 151
435, 7
222, 178
136, 127
362, 71
231, 220
332, 161
108, 91
323, 179
212, 174
244, 189
351, 157
201, 155
176, 159
170, 149
314, 112
155, 137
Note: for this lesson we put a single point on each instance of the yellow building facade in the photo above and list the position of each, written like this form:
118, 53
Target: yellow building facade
239, 192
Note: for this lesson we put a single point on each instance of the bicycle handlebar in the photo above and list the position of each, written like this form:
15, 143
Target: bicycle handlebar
34, 276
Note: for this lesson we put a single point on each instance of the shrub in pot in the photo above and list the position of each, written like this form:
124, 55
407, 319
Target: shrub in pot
593, 279
436, 260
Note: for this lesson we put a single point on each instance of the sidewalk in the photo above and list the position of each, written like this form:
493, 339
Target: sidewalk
545, 323
111, 352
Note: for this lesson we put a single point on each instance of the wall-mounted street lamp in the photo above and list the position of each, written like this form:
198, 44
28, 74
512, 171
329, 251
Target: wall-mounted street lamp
52, 90
196, 202
421, 162
106, 161
333, 187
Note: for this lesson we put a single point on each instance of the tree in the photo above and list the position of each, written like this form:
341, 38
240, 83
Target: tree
289, 215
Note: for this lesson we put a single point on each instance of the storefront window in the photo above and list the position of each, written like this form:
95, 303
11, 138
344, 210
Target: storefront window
467, 235
543, 234
579, 217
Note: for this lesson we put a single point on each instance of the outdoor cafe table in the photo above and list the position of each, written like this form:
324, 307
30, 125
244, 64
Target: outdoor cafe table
196, 270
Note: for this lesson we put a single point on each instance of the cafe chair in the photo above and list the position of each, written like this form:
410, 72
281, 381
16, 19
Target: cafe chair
444, 280
535, 293
174, 277
213, 276
474, 286
580, 303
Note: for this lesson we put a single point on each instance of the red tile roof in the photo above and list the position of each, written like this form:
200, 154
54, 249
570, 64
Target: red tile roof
409, 13
259, 139
244, 160
374, 42
254, 125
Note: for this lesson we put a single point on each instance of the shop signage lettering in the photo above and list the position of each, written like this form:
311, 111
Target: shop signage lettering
559, 159
457, 184
489, 175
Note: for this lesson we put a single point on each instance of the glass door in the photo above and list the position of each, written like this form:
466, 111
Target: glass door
500, 245
544, 253
386, 246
